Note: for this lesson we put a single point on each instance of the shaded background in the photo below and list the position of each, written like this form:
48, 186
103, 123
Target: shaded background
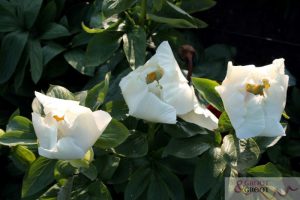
261, 30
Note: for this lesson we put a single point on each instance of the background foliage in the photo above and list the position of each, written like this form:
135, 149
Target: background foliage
87, 47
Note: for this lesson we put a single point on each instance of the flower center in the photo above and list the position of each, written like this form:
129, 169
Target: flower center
258, 89
58, 119
154, 76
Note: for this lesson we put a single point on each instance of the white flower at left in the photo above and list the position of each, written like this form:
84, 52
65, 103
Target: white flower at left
68, 130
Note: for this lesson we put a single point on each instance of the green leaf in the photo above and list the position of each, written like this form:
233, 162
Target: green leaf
134, 45
135, 146
172, 183
174, 22
95, 96
101, 47
23, 156
48, 13
60, 92
50, 51
36, 60
114, 135
76, 58
157, 189
209, 167
63, 170
123, 172
248, 154
66, 190
19, 131
267, 170
98, 190
12, 46
31, 11
110, 7
187, 147
192, 6
183, 129
176, 17
106, 166
158, 4
206, 88
8, 21
224, 123
90, 172
54, 31
39, 176
138, 183
117, 109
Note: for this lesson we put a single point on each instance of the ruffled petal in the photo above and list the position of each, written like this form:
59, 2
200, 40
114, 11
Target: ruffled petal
45, 132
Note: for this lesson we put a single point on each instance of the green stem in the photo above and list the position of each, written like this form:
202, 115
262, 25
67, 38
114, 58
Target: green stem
129, 18
151, 134
143, 12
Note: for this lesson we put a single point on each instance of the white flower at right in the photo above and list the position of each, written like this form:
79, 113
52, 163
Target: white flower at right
254, 98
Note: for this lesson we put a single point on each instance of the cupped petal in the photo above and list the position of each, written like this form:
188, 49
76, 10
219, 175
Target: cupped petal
253, 120
143, 104
45, 130
152, 109
237, 74
273, 128
234, 104
84, 131
201, 116
102, 119
179, 95
54, 105
66, 149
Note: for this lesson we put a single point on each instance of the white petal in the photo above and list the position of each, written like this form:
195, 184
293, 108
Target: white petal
168, 63
102, 119
234, 103
254, 119
202, 117
179, 95
66, 149
144, 104
46, 134
152, 109
84, 131
273, 128
55, 105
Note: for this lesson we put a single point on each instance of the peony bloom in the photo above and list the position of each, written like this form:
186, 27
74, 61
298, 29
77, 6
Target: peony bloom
254, 98
68, 130
158, 92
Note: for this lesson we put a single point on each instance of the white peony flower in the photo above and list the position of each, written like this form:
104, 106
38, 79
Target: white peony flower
68, 130
158, 92
254, 98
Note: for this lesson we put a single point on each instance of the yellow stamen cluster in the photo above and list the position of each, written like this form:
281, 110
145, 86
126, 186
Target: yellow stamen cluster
154, 76
258, 88
57, 118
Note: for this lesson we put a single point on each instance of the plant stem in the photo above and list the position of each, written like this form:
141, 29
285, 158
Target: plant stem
151, 134
143, 12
